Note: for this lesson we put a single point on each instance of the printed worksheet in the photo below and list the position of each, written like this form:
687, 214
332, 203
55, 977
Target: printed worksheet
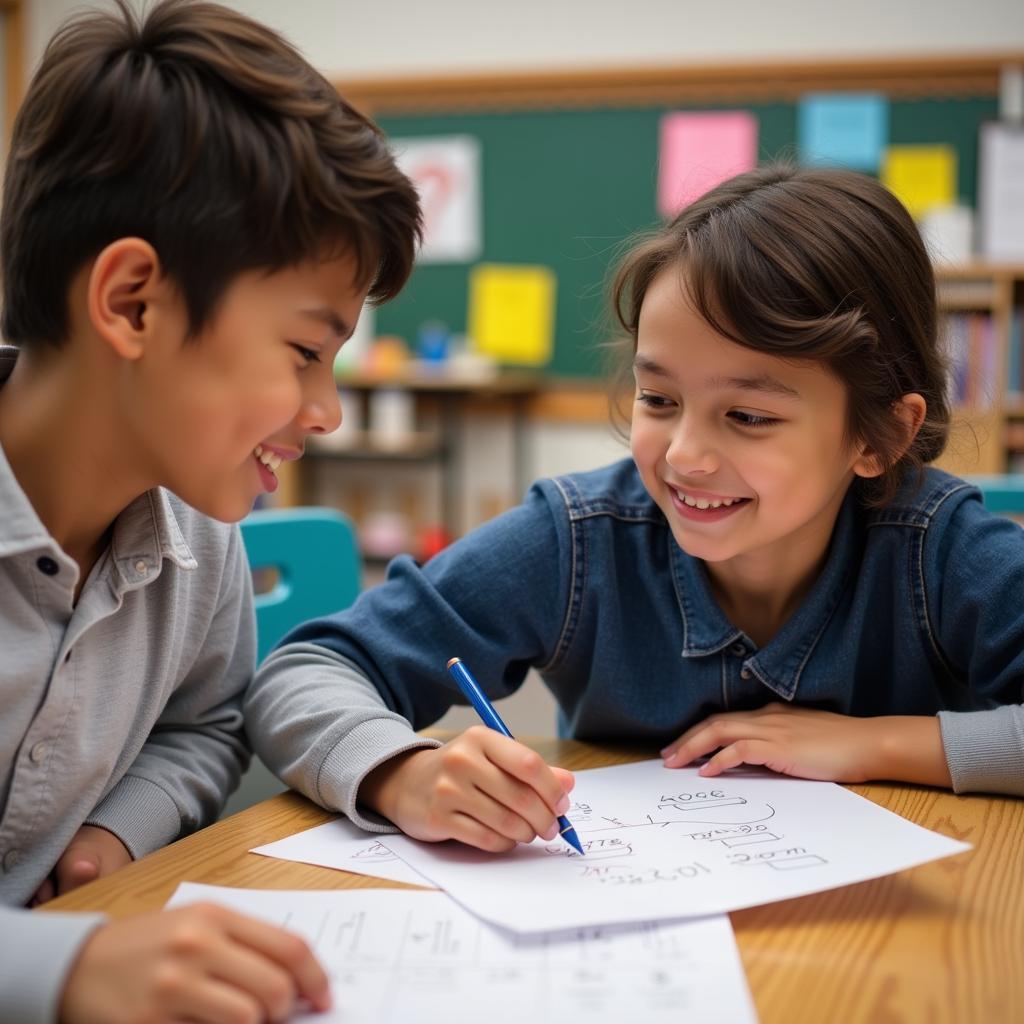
664, 843
342, 845
400, 955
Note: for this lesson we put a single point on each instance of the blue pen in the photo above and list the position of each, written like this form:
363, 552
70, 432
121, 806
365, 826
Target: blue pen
485, 709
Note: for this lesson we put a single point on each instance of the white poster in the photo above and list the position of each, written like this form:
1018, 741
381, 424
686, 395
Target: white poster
446, 172
1001, 191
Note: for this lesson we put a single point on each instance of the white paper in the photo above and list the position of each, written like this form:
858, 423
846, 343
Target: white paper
1001, 191
342, 845
446, 172
401, 956
665, 843
948, 233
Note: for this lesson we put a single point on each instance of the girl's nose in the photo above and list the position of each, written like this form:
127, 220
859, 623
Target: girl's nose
690, 451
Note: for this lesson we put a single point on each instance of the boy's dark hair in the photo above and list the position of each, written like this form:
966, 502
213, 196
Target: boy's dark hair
816, 264
209, 136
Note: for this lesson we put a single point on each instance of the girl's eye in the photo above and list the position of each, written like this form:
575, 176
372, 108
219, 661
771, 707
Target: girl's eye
750, 419
308, 354
653, 401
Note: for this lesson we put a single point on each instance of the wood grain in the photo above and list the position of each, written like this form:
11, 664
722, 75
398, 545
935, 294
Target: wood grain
941, 943
912, 77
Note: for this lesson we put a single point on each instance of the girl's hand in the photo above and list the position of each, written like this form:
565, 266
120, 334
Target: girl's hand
481, 788
199, 963
92, 853
816, 745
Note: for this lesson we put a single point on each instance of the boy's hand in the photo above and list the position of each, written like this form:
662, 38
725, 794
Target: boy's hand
816, 745
481, 788
199, 963
93, 853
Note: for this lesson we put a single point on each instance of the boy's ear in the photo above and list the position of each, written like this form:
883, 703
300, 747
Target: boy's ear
910, 410
124, 281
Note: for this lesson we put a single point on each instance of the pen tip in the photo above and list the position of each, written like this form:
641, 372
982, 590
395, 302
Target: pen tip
569, 835
452, 661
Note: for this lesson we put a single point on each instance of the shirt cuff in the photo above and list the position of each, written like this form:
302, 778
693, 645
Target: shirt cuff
140, 814
985, 749
363, 749
40, 948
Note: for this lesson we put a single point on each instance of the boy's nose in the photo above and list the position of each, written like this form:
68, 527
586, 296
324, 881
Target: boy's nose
321, 410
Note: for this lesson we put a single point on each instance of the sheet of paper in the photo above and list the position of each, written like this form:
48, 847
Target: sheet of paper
512, 312
1001, 191
665, 843
342, 845
921, 177
842, 128
396, 956
446, 172
698, 151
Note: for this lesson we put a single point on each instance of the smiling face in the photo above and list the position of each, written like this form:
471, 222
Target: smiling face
745, 453
221, 410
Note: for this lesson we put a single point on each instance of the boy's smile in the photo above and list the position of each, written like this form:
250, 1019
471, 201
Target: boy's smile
268, 461
746, 453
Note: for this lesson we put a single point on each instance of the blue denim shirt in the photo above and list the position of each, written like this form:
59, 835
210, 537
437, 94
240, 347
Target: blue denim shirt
919, 609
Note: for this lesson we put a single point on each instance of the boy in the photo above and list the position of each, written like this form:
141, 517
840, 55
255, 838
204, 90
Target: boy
192, 220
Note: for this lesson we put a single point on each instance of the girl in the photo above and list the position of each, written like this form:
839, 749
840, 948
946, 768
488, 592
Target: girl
774, 575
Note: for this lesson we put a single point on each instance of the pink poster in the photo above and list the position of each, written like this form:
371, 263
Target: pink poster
698, 151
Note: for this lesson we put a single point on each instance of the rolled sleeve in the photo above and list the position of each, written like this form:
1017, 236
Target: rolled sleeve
140, 814
985, 749
345, 767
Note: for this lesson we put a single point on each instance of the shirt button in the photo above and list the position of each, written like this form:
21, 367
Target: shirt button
47, 565
39, 752
11, 858
745, 673
739, 650
141, 567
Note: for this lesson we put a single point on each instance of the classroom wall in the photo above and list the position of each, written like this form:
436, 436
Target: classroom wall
377, 38
403, 37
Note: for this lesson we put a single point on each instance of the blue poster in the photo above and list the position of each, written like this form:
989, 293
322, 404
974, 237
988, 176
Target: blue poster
843, 129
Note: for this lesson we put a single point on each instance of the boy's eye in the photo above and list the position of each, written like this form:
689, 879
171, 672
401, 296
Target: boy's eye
750, 419
308, 354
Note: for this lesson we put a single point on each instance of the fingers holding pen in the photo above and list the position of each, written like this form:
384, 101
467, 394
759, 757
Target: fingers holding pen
481, 788
513, 792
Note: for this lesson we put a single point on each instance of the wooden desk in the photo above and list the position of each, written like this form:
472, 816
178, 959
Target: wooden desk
942, 943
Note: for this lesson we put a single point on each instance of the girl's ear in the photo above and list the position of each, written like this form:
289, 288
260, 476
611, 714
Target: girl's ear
123, 282
910, 411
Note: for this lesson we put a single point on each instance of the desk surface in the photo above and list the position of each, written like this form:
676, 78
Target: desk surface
940, 943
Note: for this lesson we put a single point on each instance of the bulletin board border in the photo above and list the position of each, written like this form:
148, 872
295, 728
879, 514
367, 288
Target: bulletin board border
13, 18
950, 75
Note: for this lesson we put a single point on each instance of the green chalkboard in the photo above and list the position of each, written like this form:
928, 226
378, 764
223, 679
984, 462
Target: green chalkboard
568, 188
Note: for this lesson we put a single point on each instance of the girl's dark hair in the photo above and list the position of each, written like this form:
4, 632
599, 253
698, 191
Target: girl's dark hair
209, 136
822, 265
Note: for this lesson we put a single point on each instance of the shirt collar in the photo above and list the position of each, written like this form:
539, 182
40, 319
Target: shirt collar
145, 532
781, 662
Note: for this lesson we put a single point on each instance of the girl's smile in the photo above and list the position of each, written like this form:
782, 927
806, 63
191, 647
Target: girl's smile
704, 507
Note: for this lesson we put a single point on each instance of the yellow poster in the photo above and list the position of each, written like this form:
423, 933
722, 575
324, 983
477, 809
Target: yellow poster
921, 177
512, 312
